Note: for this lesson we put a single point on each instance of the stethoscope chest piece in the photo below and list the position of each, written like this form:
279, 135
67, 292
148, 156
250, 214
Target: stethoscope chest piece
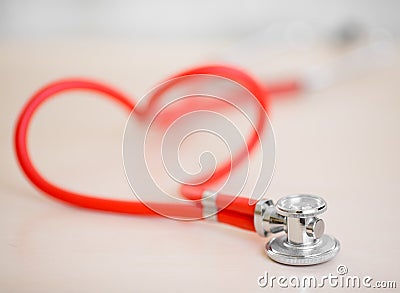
282, 251
305, 242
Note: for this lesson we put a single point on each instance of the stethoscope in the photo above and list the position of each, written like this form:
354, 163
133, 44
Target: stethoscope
293, 224
302, 242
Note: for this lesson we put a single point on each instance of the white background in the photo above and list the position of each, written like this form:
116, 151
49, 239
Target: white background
181, 19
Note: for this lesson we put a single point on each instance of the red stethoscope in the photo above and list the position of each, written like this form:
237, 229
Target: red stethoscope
296, 215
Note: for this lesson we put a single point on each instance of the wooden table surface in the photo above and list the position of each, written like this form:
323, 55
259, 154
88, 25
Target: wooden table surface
342, 143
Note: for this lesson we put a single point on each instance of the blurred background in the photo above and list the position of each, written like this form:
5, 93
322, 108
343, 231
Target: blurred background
181, 19
338, 138
252, 35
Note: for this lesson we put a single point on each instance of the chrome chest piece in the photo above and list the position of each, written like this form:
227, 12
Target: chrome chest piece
304, 242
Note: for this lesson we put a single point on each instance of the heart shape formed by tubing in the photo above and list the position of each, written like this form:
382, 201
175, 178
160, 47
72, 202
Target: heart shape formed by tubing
238, 212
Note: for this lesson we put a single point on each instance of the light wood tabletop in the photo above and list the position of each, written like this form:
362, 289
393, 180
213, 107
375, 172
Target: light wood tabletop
341, 142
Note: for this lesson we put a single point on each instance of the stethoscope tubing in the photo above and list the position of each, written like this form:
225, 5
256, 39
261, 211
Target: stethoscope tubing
234, 211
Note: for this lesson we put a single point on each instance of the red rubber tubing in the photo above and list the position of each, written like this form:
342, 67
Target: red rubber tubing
238, 213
